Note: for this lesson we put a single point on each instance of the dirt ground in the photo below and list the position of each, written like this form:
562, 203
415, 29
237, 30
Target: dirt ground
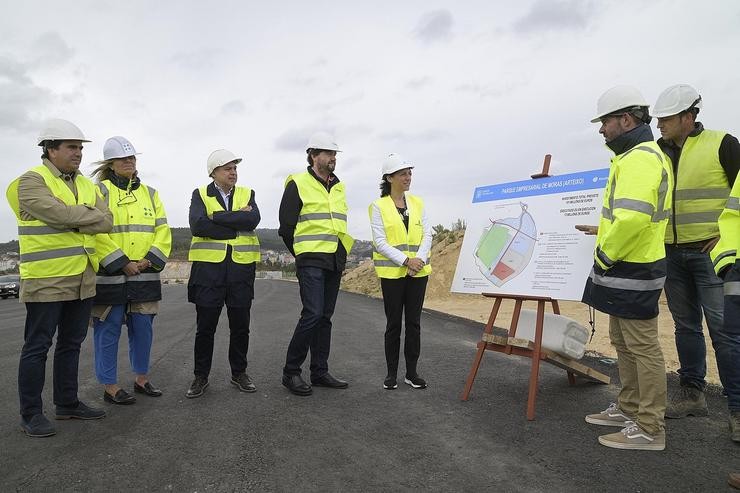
438, 297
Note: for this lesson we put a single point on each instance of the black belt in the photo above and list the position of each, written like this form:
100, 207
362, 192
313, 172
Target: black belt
694, 245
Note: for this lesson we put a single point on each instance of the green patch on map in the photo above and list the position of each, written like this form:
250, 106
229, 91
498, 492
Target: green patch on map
492, 243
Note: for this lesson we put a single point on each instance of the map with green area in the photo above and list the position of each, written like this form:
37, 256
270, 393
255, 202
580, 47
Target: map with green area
505, 248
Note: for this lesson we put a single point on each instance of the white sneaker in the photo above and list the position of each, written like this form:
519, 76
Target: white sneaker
611, 416
633, 438
415, 381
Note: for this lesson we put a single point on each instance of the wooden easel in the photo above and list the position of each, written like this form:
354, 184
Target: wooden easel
523, 347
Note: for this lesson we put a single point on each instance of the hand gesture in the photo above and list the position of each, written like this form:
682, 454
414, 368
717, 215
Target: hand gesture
589, 230
414, 265
131, 269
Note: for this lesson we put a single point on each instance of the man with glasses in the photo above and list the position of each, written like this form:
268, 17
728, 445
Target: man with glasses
705, 165
59, 212
629, 269
313, 225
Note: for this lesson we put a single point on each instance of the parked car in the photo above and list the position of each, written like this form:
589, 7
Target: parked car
9, 286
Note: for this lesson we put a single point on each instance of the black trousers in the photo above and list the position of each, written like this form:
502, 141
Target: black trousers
207, 321
69, 320
404, 295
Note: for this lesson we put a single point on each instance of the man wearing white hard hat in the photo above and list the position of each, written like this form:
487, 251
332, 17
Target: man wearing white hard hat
705, 164
629, 269
313, 225
59, 212
402, 240
224, 252
131, 257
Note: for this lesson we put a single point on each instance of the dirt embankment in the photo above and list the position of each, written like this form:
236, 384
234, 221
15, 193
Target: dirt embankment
445, 253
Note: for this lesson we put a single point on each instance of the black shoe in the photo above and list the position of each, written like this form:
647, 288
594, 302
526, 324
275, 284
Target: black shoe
416, 382
37, 426
326, 380
243, 382
390, 383
147, 389
296, 385
197, 388
81, 411
122, 397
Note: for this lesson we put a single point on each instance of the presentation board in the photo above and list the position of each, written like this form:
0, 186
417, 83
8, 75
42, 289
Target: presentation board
520, 237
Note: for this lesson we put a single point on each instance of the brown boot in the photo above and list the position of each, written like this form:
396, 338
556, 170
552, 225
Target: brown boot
734, 480
688, 401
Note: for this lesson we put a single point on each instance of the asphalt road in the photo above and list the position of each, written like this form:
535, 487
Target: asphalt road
360, 439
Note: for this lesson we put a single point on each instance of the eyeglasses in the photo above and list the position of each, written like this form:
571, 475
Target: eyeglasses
127, 198
605, 118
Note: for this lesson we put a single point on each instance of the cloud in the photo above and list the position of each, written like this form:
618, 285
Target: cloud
554, 15
234, 107
434, 26
19, 96
196, 60
293, 140
419, 82
430, 135
51, 49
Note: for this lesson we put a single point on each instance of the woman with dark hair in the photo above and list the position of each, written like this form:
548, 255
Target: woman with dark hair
402, 242
131, 257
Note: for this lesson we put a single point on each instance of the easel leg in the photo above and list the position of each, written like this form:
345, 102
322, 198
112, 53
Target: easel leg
536, 353
473, 370
481, 350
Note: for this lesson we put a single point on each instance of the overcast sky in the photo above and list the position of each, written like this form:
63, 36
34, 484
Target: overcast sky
473, 93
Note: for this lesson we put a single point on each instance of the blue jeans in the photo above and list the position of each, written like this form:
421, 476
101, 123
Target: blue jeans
731, 352
692, 288
106, 335
319, 289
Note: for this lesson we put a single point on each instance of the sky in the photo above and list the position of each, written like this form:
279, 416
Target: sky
472, 93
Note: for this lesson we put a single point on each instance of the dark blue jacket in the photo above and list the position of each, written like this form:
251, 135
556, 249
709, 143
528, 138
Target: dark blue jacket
213, 284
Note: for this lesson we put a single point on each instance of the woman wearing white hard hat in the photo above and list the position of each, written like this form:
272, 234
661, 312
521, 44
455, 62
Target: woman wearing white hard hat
131, 257
224, 253
402, 239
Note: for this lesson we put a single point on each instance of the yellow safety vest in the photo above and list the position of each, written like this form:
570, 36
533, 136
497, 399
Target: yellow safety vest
245, 248
633, 219
50, 252
629, 260
724, 252
139, 225
322, 221
397, 236
701, 190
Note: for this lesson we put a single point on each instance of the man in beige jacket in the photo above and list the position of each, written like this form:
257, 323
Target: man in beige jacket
58, 212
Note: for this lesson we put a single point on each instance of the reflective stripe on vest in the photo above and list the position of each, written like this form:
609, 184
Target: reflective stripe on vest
627, 284
123, 279
724, 252
396, 234
701, 190
245, 248
732, 288
322, 220
41, 246
656, 214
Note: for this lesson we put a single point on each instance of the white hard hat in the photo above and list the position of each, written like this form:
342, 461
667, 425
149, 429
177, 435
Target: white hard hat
676, 99
118, 147
394, 163
58, 129
219, 158
618, 98
322, 141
